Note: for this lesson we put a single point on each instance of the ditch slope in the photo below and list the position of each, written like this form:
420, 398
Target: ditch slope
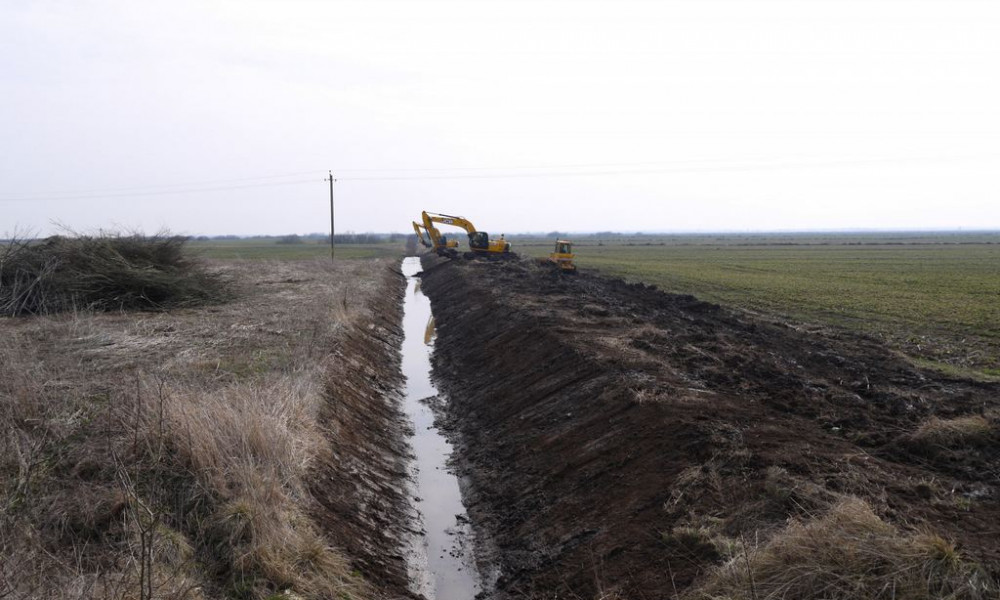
617, 439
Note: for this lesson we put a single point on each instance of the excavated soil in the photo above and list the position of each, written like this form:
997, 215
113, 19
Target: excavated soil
594, 419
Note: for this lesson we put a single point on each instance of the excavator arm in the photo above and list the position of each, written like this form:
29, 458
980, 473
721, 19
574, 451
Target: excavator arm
435, 240
420, 235
448, 220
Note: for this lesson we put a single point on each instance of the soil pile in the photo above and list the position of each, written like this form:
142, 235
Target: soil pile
618, 439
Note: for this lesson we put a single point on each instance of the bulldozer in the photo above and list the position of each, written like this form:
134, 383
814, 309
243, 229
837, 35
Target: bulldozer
480, 244
563, 256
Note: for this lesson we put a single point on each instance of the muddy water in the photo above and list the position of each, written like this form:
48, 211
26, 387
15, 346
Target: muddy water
442, 567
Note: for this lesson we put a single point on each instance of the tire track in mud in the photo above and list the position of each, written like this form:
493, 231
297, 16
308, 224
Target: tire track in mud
594, 419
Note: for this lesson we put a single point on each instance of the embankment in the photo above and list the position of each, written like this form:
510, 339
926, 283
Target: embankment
619, 440
360, 484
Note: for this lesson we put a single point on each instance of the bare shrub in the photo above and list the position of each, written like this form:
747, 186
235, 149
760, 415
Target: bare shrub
849, 553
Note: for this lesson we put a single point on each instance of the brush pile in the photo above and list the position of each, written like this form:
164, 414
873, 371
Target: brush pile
107, 272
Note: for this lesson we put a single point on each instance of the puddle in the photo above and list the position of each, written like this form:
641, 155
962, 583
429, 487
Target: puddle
443, 567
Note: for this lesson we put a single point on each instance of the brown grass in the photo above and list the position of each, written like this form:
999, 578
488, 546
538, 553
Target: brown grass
959, 431
248, 449
166, 454
849, 553
108, 271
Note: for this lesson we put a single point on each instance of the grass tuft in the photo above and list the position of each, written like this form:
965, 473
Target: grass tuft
970, 430
250, 447
849, 553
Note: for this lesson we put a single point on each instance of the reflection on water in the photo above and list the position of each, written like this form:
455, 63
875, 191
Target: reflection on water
429, 332
444, 568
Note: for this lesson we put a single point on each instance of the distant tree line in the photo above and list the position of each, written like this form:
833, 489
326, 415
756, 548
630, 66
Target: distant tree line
316, 238
364, 238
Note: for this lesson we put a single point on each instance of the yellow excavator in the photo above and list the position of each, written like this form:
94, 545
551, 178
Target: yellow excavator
480, 244
563, 256
435, 240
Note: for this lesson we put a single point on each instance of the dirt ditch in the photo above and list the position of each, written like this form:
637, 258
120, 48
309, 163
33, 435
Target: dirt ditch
618, 439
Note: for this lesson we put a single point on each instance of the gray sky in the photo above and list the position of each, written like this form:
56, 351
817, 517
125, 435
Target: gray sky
668, 116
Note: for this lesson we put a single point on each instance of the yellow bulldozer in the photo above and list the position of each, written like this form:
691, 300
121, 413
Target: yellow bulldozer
480, 244
563, 256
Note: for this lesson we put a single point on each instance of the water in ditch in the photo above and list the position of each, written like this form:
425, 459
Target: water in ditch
442, 565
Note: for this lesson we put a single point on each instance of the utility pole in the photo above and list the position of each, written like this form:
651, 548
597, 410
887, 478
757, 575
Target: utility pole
331, 180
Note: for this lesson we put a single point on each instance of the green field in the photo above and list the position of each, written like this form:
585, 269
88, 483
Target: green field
269, 248
936, 297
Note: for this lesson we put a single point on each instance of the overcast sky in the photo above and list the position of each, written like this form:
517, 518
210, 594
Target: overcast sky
212, 117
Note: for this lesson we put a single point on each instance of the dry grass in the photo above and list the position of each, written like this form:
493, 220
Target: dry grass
165, 454
248, 449
103, 272
960, 431
850, 553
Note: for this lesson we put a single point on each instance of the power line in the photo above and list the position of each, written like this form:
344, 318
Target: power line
152, 187
159, 193
667, 170
535, 167
733, 163
706, 165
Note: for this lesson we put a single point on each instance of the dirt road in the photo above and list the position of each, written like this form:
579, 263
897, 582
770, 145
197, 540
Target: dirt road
615, 438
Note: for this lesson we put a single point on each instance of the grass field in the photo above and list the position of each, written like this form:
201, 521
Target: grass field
174, 450
269, 248
937, 297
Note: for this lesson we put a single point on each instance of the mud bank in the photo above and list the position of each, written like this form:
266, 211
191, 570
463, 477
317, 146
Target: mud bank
617, 439
361, 485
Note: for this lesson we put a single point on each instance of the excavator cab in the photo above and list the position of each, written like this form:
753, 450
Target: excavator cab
479, 240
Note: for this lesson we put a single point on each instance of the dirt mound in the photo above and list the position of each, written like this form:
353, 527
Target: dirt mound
618, 439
